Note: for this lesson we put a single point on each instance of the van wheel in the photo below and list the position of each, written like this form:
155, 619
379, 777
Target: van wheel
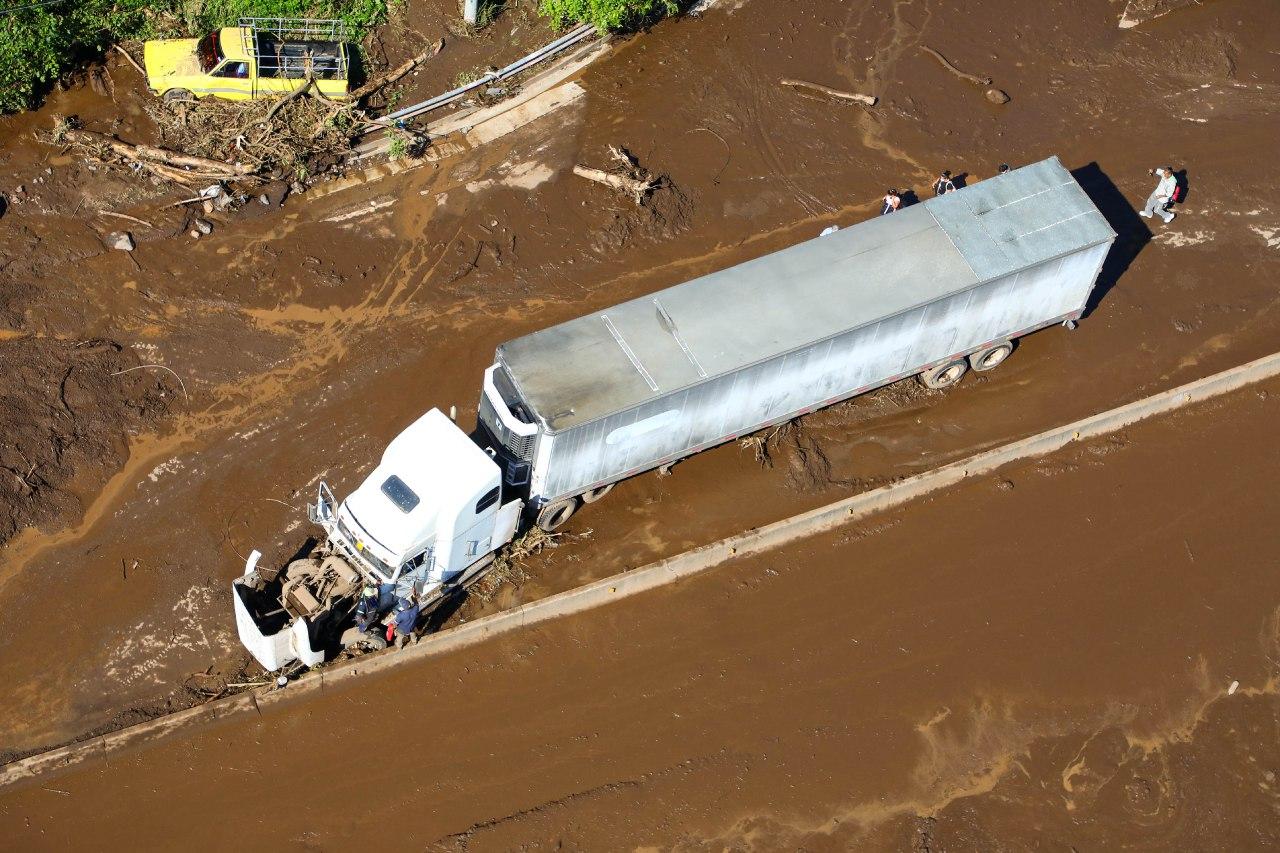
175, 96
554, 515
944, 375
991, 357
593, 495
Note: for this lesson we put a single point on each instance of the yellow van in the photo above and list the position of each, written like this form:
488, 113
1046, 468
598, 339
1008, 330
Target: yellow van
261, 58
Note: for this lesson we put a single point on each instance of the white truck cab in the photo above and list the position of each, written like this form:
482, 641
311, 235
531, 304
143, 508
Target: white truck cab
426, 520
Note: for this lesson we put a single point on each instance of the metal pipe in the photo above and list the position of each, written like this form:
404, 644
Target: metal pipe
567, 40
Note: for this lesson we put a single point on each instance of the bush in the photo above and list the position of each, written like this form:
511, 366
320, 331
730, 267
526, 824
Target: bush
38, 44
608, 14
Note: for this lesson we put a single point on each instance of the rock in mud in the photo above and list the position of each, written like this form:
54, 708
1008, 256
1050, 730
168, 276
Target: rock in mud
121, 240
204, 226
997, 96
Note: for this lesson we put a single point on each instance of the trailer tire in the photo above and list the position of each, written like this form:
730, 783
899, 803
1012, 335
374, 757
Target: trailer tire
553, 516
176, 96
991, 357
592, 495
944, 375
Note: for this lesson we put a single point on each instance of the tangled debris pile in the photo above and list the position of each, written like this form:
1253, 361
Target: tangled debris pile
295, 138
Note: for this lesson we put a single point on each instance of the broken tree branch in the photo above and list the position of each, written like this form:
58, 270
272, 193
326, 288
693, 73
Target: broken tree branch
829, 92
126, 216
637, 189
120, 50
275, 108
972, 78
149, 155
377, 83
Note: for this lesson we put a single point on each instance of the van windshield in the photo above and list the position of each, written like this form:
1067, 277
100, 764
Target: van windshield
400, 493
209, 52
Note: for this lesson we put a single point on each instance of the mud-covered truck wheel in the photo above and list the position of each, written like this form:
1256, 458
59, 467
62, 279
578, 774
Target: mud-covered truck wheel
177, 96
944, 375
991, 357
554, 515
592, 495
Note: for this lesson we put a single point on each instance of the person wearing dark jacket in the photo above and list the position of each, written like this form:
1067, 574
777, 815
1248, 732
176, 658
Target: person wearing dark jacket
944, 184
407, 613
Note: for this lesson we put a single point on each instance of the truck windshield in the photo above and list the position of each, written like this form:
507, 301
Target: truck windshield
399, 493
209, 52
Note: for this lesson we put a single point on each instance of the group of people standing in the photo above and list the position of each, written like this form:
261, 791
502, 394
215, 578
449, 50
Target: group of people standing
944, 184
1167, 192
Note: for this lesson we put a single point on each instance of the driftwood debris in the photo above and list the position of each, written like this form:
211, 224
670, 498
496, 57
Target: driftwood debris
182, 168
632, 179
126, 216
868, 100
972, 78
628, 186
120, 50
378, 82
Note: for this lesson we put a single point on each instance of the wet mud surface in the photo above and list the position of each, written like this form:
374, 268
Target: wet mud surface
1040, 658
307, 336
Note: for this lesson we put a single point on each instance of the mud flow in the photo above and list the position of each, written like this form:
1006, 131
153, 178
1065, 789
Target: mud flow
1039, 653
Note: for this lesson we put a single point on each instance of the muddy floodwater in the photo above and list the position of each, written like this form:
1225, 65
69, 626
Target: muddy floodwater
1040, 659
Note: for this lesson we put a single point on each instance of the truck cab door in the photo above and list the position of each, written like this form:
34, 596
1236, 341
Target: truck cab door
475, 538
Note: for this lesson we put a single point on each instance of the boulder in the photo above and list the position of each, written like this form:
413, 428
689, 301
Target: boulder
121, 240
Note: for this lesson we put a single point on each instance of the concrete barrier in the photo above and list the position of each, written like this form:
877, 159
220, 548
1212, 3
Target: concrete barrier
656, 574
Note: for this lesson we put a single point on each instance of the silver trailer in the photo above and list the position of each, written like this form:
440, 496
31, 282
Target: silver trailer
930, 290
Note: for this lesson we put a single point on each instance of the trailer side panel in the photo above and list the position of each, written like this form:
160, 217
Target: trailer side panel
727, 406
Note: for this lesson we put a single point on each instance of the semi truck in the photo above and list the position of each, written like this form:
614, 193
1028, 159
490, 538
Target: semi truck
933, 290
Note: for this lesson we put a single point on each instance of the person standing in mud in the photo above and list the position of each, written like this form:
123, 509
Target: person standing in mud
944, 184
1162, 196
891, 202
407, 612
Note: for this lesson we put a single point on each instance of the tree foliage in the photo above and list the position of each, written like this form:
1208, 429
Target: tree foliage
608, 14
39, 43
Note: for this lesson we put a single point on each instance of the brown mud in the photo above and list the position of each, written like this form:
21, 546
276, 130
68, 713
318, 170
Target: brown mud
310, 335
1079, 652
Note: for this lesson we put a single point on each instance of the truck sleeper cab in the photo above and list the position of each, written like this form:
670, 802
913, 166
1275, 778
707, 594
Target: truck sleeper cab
426, 520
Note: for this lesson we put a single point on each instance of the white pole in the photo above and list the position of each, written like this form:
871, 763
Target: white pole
470, 11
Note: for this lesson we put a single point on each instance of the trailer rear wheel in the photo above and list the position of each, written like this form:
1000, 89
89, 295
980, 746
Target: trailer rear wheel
592, 495
991, 357
554, 515
944, 375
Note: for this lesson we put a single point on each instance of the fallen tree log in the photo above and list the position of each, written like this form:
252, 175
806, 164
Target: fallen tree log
972, 78
633, 187
150, 154
378, 82
829, 92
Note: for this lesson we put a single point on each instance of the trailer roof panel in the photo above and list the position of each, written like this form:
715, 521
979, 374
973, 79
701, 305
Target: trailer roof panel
719, 323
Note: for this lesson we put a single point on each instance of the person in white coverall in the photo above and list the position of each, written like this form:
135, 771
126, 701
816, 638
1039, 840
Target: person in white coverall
1162, 196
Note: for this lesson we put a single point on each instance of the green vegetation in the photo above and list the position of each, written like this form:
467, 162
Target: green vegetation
608, 14
38, 43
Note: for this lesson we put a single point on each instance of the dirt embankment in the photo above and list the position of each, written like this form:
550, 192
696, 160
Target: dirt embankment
309, 336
